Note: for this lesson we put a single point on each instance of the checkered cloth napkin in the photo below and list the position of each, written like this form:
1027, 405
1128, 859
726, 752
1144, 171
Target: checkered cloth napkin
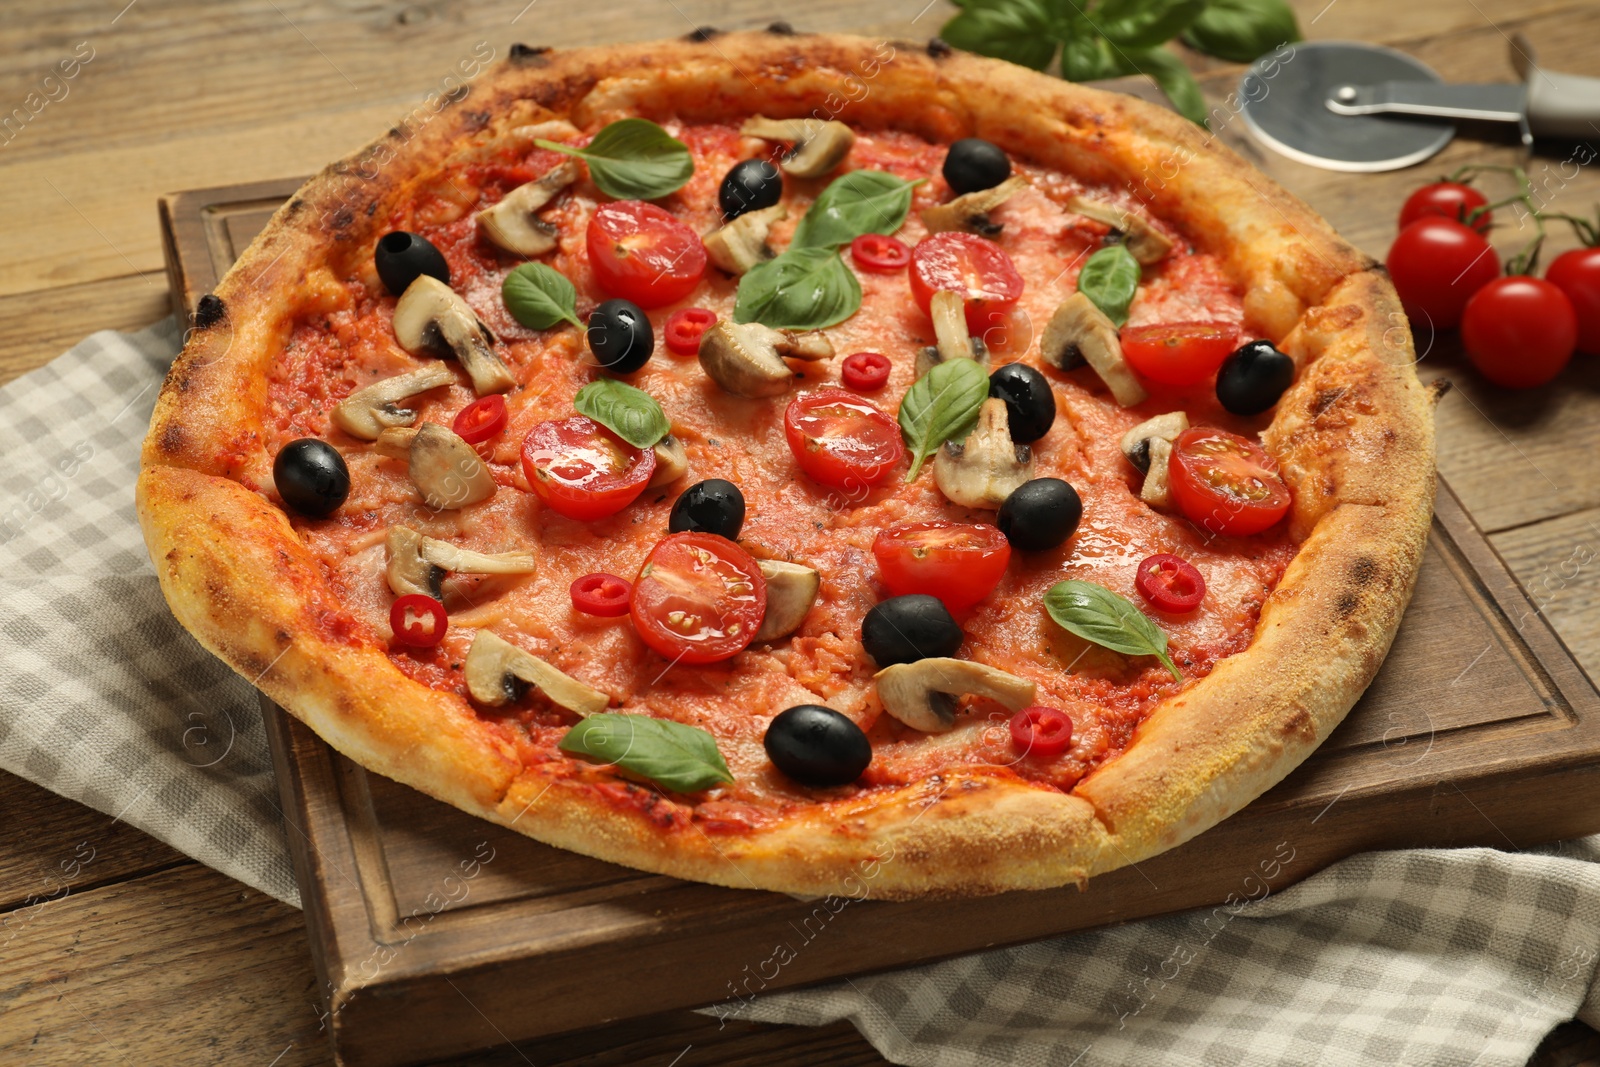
1424, 957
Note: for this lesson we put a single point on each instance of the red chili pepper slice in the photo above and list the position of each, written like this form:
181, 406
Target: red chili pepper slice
602, 594
684, 328
879, 253
1171, 583
481, 419
865, 372
418, 620
1041, 731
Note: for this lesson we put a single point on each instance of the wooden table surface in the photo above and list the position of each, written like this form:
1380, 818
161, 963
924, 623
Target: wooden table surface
143, 956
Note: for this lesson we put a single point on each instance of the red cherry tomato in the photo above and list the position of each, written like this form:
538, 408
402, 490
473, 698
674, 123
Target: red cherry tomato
1041, 731
582, 470
958, 562
1519, 331
865, 372
418, 620
1451, 200
642, 253
1577, 273
976, 268
684, 328
1225, 483
699, 598
1436, 266
1171, 583
1178, 353
841, 440
481, 419
880, 253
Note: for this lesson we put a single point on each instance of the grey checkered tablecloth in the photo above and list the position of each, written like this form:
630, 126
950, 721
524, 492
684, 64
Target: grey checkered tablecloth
1425, 957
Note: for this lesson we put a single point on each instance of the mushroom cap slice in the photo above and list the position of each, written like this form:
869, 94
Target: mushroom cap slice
466, 561
672, 462
948, 311
430, 317
929, 356
1080, 332
819, 147
791, 590
418, 564
369, 411
742, 243
1157, 488
988, 467
495, 667
1144, 242
969, 212
1135, 444
446, 470
923, 694
511, 223
743, 358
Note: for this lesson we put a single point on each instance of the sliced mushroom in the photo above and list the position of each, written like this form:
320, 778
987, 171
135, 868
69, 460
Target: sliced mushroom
986, 468
431, 318
418, 564
949, 315
1157, 488
446, 470
549, 130
1147, 244
512, 224
929, 356
791, 590
369, 411
742, 243
1078, 332
672, 462
924, 694
1135, 444
969, 212
819, 147
747, 358
499, 672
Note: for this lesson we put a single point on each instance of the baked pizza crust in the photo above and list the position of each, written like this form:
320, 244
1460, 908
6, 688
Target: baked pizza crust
1354, 436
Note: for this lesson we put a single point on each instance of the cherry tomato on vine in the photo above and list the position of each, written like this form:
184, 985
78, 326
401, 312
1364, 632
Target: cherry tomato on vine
640, 252
1041, 732
976, 268
418, 620
481, 419
699, 598
1450, 200
841, 440
1577, 273
1519, 331
582, 470
958, 562
1436, 266
1226, 483
601, 594
684, 328
1178, 353
1171, 583
865, 372
880, 253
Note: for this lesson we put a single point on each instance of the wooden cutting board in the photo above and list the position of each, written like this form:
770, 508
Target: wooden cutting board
435, 933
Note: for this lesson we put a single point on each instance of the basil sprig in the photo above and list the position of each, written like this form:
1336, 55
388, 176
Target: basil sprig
1096, 614
632, 414
803, 289
682, 758
633, 159
1242, 30
539, 296
941, 405
860, 202
1110, 278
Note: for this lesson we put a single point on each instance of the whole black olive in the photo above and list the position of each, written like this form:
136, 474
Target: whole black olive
973, 163
815, 745
712, 506
749, 186
904, 629
1030, 405
311, 476
620, 336
1040, 514
401, 257
1253, 378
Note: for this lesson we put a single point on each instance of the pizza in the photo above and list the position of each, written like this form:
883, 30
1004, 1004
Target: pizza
803, 463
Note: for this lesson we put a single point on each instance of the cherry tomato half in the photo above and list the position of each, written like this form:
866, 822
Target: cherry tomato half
481, 419
684, 328
1577, 273
1436, 266
841, 440
1225, 483
1519, 331
865, 372
582, 470
699, 598
640, 252
1178, 353
976, 268
1171, 583
1451, 200
418, 620
1041, 731
958, 562
880, 253
601, 594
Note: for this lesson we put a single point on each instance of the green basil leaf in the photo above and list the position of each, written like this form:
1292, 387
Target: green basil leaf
862, 201
1243, 30
941, 405
1084, 58
684, 759
633, 159
1016, 30
803, 289
632, 414
1144, 24
1175, 79
539, 296
1110, 278
1096, 614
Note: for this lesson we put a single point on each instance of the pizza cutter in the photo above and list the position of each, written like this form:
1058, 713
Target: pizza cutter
1347, 106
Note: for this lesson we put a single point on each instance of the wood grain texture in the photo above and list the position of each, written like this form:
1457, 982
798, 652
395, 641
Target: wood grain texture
36, 327
1558, 562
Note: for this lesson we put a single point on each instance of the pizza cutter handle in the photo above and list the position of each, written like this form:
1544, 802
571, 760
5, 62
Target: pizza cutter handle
1558, 105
